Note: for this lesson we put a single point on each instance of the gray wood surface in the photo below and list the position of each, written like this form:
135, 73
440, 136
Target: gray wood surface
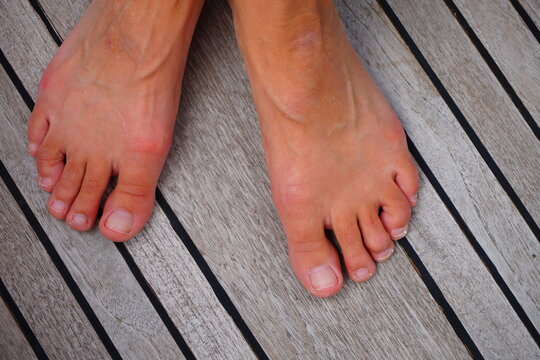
472, 187
13, 344
511, 44
39, 290
533, 9
477, 92
169, 268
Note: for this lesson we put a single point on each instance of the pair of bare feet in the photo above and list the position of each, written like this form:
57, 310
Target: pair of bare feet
336, 153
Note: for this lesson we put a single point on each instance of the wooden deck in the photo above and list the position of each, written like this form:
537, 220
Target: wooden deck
208, 277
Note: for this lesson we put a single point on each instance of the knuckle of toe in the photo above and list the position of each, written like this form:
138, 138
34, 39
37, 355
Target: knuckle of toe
94, 184
348, 237
153, 143
140, 191
291, 196
304, 245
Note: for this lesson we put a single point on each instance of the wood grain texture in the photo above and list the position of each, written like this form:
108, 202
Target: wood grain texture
510, 43
168, 266
39, 290
13, 344
472, 187
477, 92
533, 10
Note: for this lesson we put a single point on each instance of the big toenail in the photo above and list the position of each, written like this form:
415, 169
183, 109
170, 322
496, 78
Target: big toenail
79, 219
322, 277
58, 206
361, 274
45, 182
32, 148
399, 233
120, 221
384, 255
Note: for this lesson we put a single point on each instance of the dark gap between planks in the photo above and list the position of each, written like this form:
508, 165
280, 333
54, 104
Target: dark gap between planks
21, 321
494, 68
487, 158
526, 19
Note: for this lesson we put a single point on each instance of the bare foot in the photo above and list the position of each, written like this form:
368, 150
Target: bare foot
107, 104
336, 153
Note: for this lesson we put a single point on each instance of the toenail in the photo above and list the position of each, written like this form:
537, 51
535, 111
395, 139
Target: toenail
384, 255
32, 148
399, 233
58, 206
45, 182
79, 219
120, 221
322, 277
361, 274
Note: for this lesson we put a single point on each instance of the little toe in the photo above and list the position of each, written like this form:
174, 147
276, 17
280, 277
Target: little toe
376, 239
49, 164
38, 125
408, 181
313, 258
396, 212
84, 209
358, 261
130, 204
66, 188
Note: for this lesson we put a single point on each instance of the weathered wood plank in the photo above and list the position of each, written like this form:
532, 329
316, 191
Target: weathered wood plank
166, 263
39, 290
473, 189
477, 92
13, 344
510, 43
533, 10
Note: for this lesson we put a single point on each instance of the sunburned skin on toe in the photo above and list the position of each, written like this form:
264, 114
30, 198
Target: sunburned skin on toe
336, 153
106, 106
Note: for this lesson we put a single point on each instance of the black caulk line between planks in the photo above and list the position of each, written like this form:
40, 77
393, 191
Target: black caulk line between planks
160, 309
461, 119
218, 289
526, 19
494, 68
177, 226
57, 260
438, 296
21, 321
487, 158
474, 243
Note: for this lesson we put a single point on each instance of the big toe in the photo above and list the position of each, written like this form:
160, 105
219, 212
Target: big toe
313, 258
130, 204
